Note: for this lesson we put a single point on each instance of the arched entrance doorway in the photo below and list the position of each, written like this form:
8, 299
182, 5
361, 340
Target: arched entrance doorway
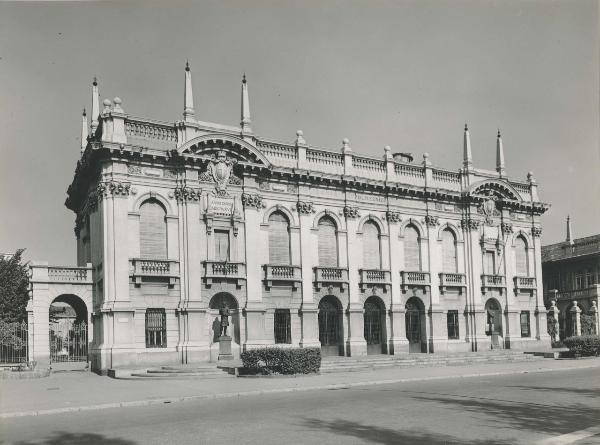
330, 326
415, 325
493, 326
68, 336
233, 329
374, 318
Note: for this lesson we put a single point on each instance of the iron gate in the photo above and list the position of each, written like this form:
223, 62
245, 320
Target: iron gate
372, 323
68, 341
329, 328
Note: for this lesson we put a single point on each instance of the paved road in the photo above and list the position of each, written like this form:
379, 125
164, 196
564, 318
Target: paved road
549, 408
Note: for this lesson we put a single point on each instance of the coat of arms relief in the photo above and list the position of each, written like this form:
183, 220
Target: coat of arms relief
220, 171
489, 208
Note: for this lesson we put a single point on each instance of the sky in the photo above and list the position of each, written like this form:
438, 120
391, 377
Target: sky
407, 74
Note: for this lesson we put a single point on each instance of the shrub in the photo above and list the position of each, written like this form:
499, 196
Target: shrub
282, 360
584, 345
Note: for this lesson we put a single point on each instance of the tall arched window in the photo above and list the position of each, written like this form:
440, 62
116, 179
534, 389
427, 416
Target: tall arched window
449, 264
412, 248
371, 246
279, 239
328, 252
153, 230
522, 265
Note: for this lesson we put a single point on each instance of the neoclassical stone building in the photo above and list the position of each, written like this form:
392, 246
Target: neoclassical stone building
309, 247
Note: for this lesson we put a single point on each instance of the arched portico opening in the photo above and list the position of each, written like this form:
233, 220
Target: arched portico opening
233, 330
493, 326
331, 326
416, 329
375, 325
68, 329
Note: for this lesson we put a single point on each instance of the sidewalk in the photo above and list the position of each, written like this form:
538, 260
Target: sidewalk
77, 391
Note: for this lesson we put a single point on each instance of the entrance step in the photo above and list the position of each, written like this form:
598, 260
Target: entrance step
365, 363
195, 371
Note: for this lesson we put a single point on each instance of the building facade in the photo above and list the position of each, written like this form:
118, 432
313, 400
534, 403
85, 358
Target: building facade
308, 247
571, 272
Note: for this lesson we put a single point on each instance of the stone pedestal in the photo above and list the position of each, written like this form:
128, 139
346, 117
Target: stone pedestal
225, 348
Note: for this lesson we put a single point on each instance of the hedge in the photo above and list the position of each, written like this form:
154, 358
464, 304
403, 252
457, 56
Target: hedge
584, 345
281, 360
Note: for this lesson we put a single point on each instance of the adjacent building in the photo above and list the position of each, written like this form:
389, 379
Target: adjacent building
571, 271
351, 253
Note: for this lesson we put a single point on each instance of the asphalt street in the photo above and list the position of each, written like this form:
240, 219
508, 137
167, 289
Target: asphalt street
546, 408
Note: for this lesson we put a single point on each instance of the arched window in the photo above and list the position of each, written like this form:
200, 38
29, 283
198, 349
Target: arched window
328, 252
412, 248
279, 239
522, 265
449, 264
153, 230
371, 246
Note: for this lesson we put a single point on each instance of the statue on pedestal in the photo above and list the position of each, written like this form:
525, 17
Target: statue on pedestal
224, 313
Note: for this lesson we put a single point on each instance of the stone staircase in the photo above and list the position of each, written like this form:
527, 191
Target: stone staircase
370, 362
193, 371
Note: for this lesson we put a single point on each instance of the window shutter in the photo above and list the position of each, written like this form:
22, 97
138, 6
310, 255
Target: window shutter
153, 231
222, 245
327, 243
279, 239
448, 252
521, 257
412, 249
371, 246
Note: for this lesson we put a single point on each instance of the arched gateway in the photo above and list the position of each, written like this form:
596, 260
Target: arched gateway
374, 321
68, 329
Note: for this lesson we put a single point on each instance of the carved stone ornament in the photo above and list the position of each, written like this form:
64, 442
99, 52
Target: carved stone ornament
393, 217
432, 221
536, 231
113, 188
171, 174
250, 200
186, 194
351, 212
134, 169
506, 227
470, 224
305, 207
488, 209
220, 171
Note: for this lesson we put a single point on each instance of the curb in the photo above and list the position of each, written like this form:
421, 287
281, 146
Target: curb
161, 401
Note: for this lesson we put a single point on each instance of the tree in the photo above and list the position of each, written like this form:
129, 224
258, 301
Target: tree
14, 286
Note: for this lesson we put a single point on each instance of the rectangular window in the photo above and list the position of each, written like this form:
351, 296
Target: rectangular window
222, 245
283, 326
579, 281
156, 328
525, 326
490, 262
452, 320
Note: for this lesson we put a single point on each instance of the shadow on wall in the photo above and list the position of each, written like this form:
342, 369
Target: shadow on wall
65, 438
377, 434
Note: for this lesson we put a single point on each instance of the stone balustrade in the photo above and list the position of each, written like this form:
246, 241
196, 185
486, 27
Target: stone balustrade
415, 279
324, 276
216, 271
452, 280
140, 268
282, 273
492, 282
59, 274
525, 283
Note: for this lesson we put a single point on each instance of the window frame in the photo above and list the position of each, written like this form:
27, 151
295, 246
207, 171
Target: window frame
285, 327
525, 333
452, 320
160, 340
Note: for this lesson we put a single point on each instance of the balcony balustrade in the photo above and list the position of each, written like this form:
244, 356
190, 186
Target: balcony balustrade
452, 280
216, 271
59, 274
415, 279
140, 268
525, 283
578, 294
325, 276
282, 273
492, 282
371, 277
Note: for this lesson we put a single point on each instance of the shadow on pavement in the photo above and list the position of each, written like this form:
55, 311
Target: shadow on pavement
591, 392
381, 435
65, 438
538, 417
